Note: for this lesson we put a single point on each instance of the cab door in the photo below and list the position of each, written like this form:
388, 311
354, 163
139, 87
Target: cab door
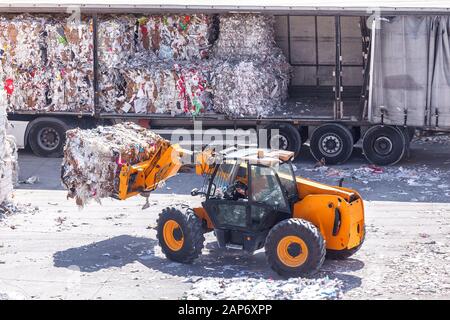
267, 198
225, 212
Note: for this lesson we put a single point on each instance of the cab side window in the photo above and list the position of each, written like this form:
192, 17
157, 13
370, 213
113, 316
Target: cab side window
266, 188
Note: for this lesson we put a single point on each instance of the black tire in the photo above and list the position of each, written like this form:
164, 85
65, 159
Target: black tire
310, 235
47, 136
332, 142
191, 229
288, 137
346, 253
384, 145
407, 134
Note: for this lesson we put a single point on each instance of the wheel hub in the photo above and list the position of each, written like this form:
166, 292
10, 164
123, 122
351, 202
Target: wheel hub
292, 251
383, 146
331, 144
173, 235
279, 141
177, 234
48, 139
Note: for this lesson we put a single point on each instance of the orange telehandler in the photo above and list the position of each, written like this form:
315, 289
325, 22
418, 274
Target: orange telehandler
252, 199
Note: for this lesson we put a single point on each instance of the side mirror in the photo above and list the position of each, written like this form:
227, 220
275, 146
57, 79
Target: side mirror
194, 192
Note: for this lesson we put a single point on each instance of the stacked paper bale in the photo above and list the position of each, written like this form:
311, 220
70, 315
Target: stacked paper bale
8, 156
70, 60
46, 63
166, 73
251, 74
178, 37
93, 158
116, 45
23, 71
149, 85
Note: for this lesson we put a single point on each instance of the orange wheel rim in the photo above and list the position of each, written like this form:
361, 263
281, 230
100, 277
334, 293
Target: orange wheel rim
292, 251
173, 235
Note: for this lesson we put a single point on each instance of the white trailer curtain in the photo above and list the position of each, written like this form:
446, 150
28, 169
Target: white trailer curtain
411, 75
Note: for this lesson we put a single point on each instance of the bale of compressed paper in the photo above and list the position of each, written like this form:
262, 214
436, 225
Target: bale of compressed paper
116, 42
47, 63
179, 37
116, 45
71, 90
23, 63
69, 42
251, 74
70, 63
145, 84
8, 155
245, 36
250, 87
93, 158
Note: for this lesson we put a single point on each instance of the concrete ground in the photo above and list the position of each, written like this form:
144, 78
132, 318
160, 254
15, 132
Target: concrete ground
110, 250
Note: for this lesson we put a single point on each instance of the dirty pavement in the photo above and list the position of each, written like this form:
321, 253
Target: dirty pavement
55, 250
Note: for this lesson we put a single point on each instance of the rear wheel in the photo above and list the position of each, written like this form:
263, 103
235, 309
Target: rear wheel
384, 145
287, 138
295, 247
332, 142
180, 234
46, 136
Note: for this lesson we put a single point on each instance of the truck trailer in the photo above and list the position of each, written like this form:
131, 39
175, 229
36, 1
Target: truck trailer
370, 71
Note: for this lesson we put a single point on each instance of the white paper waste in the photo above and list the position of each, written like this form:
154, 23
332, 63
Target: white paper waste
93, 158
46, 62
146, 85
245, 36
179, 37
8, 155
250, 87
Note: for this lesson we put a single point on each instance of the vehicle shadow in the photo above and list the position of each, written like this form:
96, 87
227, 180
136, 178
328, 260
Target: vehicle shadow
214, 262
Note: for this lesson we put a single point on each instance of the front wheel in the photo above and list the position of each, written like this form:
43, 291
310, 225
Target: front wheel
294, 248
180, 234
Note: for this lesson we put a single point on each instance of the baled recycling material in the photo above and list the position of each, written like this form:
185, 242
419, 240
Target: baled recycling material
47, 63
93, 158
8, 155
151, 86
170, 64
178, 37
246, 74
250, 87
245, 36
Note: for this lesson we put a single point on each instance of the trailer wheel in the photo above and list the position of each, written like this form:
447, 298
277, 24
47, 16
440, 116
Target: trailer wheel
332, 142
384, 145
47, 136
287, 138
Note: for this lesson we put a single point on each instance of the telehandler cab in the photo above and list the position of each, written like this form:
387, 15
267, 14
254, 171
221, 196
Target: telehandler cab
252, 199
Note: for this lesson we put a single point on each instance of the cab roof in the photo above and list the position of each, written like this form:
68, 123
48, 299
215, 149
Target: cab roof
258, 156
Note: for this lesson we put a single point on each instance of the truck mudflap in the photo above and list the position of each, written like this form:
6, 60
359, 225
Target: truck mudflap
340, 222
